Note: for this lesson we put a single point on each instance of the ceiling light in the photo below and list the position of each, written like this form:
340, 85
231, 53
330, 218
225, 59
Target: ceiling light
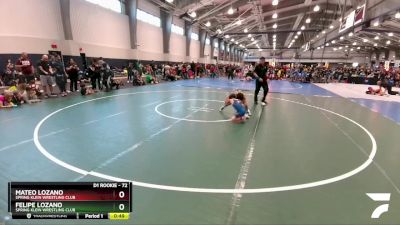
316, 8
275, 26
331, 27
230, 11
303, 27
376, 38
390, 34
295, 37
249, 35
351, 49
274, 16
365, 40
350, 34
239, 22
245, 30
208, 24
346, 46
232, 40
275, 2
219, 31
345, 50
340, 47
318, 48
341, 38
259, 50
227, 36
323, 32
308, 20
252, 39
193, 14
236, 42
397, 15
170, 1
376, 23
375, 44
318, 36
334, 49
388, 42
354, 43
358, 47
333, 41
327, 44
298, 32
274, 36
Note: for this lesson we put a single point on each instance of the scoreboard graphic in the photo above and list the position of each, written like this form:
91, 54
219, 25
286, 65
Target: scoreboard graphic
70, 200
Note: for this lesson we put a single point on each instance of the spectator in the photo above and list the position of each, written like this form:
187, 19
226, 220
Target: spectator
45, 71
9, 74
25, 67
73, 71
6, 100
60, 75
95, 76
130, 72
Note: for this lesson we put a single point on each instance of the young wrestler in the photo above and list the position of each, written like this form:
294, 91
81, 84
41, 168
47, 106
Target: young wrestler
380, 91
240, 109
239, 95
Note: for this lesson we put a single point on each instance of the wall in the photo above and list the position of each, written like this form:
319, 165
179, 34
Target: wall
100, 32
150, 42
177, 45
194, 51
29, 26
26, 26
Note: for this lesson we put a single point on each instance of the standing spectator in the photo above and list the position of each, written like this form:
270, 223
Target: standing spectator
73, 71
9, 74
94, 70
45, 71
25, 67
60, 75
130, 73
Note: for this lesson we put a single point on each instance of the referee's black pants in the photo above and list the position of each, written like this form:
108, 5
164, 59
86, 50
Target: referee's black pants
264, 86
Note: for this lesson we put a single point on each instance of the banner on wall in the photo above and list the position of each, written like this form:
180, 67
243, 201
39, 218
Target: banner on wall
359, 14
387, 65
355, 17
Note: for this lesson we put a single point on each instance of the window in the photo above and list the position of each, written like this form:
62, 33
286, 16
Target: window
195, 36
114, 5
177, 29
148, 18
207, 41
216, 44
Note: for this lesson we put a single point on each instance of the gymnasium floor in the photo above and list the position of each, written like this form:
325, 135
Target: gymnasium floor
308, 157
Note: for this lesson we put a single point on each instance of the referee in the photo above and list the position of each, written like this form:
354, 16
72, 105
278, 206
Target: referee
260, 73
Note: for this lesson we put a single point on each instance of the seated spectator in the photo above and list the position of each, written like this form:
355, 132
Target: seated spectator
6, 100
138, 80
86, 90
32, 96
